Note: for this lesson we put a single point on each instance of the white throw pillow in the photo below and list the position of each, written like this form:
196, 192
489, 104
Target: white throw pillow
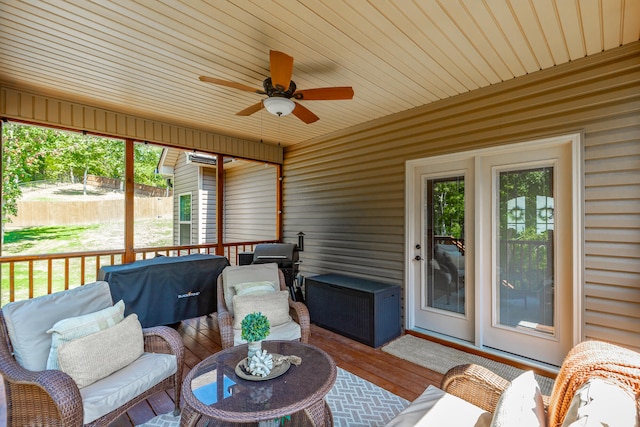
521, 404
602, 402
235, 274
96, 356
274, 305
73, 328
254, 288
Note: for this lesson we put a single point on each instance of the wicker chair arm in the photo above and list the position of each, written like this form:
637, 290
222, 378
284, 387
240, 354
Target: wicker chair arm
64, 392
223, 317
51, 393
475, 384
225, 325
222, 308
163, 339
300, 313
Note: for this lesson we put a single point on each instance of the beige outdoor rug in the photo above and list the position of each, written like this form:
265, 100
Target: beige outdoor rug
354, 402
441, 358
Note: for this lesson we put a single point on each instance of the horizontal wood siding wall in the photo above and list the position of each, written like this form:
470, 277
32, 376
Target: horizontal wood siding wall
346, 191
250, 202
208, 232
612, 233
45, 110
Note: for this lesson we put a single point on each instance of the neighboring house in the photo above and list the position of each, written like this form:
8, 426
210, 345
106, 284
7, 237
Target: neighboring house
249, 197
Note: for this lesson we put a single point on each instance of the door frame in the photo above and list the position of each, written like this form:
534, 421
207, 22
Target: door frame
411, 222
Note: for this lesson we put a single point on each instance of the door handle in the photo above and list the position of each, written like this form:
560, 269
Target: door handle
418, 258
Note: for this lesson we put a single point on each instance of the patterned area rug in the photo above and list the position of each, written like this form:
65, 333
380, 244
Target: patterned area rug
441, 358
354, 402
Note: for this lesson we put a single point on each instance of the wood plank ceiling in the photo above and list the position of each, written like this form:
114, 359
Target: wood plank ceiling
144, 57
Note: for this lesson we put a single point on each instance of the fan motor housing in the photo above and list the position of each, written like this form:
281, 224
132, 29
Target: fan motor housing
272, 90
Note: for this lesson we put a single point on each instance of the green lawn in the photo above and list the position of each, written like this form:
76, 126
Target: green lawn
77, 238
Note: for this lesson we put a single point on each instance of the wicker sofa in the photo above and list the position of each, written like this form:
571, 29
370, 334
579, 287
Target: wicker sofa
469, 395
40, 395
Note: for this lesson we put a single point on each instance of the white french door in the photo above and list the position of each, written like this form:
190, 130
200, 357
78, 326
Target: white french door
526, 251
493, 248
443, 248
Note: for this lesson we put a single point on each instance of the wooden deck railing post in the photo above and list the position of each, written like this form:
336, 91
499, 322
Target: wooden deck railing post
279, 202
220, 204
129, 192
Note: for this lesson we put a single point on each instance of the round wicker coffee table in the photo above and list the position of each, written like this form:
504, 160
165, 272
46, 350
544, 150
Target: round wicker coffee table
213, 394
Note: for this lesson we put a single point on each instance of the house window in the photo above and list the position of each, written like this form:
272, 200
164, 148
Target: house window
185, 219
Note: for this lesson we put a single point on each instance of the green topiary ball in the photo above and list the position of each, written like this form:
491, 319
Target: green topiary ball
255, 327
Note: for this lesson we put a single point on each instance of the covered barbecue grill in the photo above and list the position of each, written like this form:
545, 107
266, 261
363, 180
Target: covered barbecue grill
286, 256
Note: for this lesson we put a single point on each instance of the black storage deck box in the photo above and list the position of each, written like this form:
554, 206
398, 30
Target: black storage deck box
359, 309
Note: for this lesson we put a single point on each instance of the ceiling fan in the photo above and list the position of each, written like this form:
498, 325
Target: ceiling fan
282, 92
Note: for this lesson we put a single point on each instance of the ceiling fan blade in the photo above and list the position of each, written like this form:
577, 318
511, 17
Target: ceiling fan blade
326, 93
304, 114
250, 110
231, 84
281, 66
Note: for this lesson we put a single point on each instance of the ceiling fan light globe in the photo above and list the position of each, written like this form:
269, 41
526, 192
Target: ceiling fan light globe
279, 106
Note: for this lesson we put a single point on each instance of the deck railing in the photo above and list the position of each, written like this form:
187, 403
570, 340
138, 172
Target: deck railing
25, 277
526, 265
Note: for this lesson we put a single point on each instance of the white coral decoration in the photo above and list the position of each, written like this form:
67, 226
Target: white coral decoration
261, 364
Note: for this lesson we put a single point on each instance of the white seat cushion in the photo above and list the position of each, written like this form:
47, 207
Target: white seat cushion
286, 332
434, 408
108, 394
29, 320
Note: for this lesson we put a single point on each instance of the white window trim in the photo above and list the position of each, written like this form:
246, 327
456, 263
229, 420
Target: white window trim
190, 222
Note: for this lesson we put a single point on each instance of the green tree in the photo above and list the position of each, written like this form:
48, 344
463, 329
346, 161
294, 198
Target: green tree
449, 207
24, 159
146, 162
33, 153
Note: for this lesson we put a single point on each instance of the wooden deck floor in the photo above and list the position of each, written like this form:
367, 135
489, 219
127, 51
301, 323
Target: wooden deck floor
201, 339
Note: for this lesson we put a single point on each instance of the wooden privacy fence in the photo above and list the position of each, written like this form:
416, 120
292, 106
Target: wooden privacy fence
38, 213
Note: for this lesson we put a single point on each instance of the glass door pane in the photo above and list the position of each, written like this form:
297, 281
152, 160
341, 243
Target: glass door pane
445, 248
525, 279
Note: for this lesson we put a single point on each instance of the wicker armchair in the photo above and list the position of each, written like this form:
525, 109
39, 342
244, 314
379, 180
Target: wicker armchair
483, 388
298, 311
52, 398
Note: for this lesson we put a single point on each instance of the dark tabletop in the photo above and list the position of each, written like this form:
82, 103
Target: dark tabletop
240, 400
